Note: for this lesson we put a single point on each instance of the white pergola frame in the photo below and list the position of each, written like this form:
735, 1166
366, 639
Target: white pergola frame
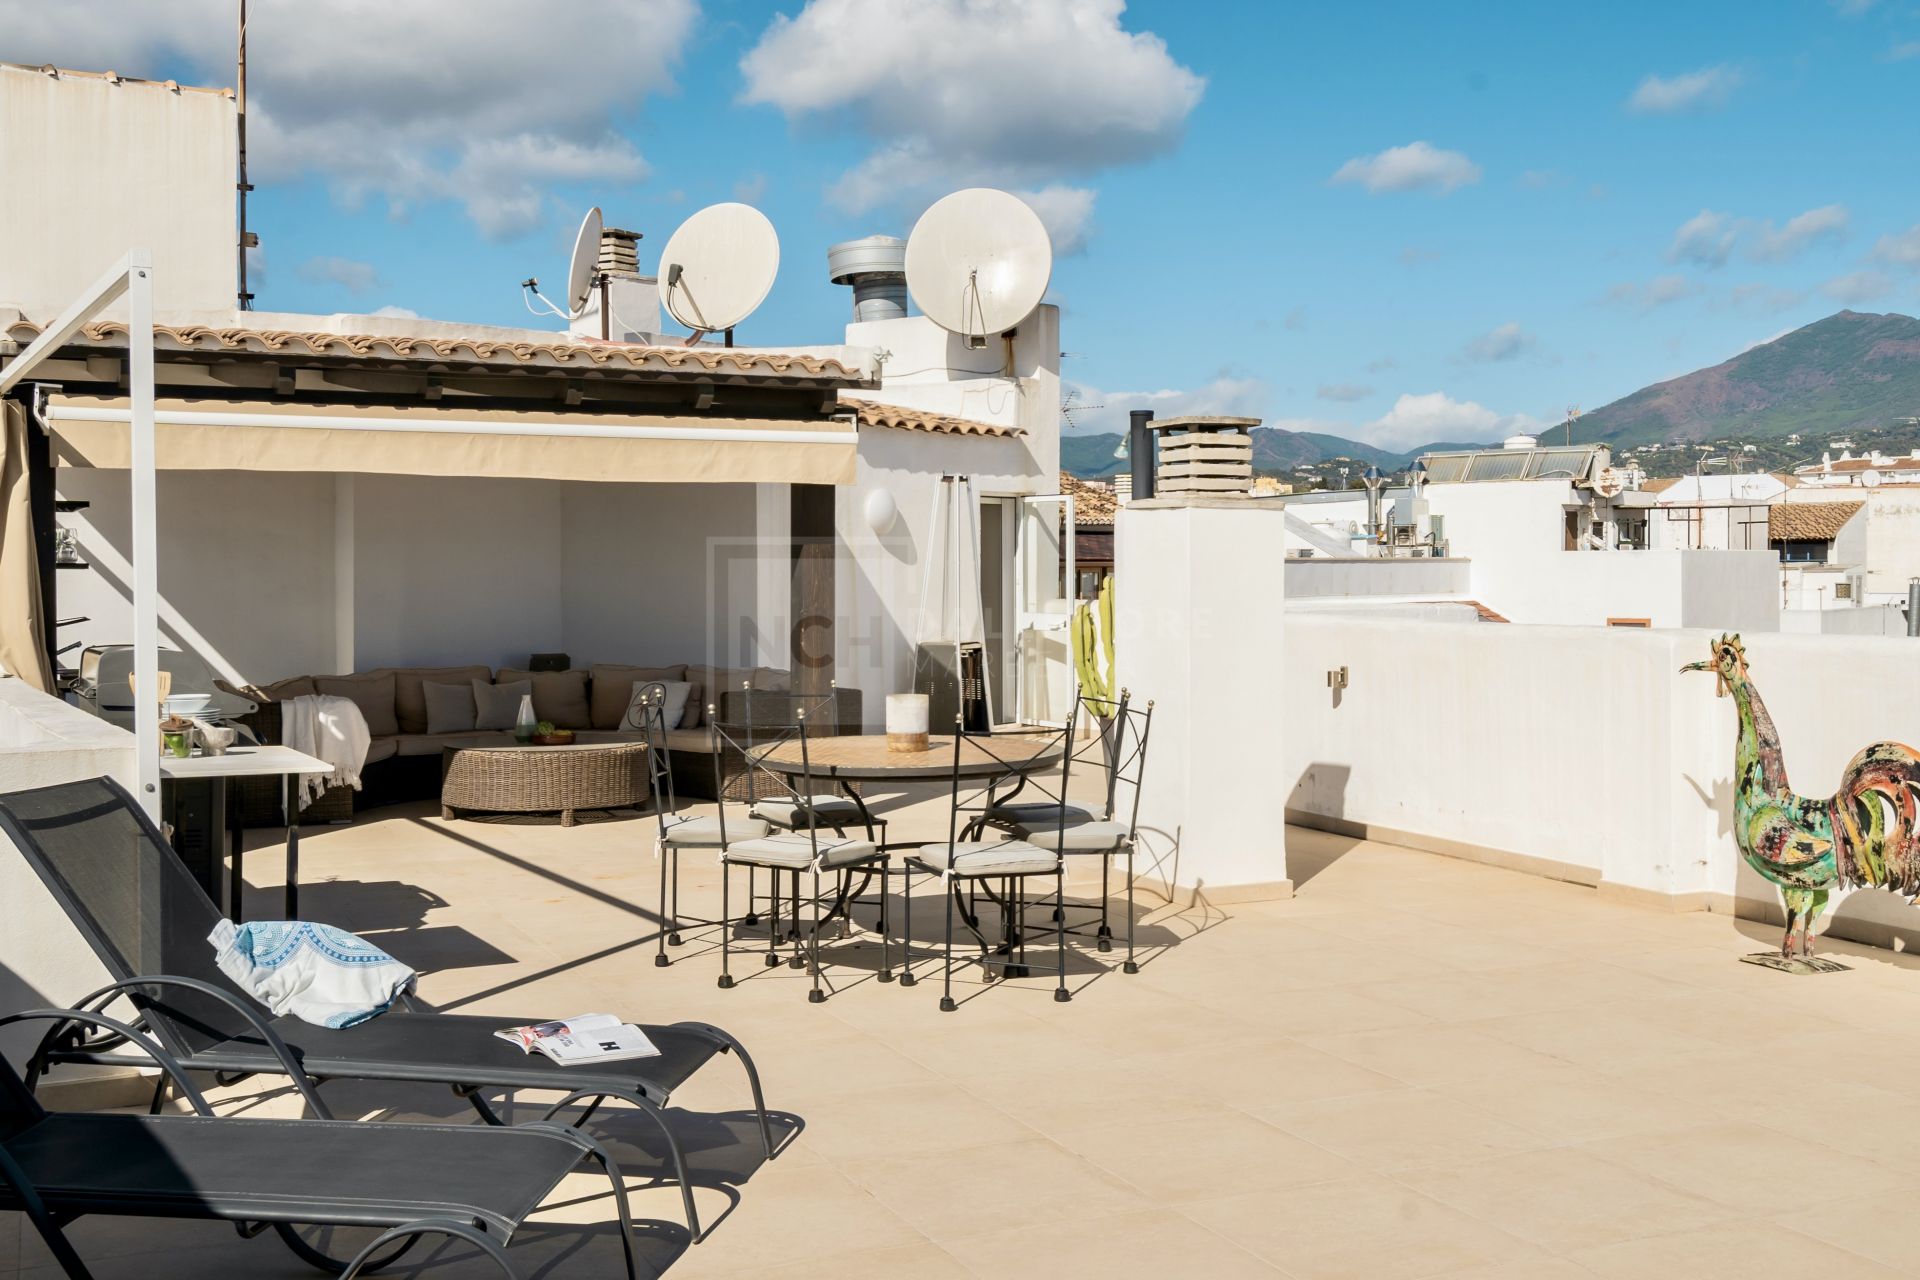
131, 278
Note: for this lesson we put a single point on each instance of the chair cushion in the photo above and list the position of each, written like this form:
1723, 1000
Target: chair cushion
613, 689
372, 693
1031, 813
1079, 837
409, 692
787, 810
704, 832
794, 851
989, 858
559, 696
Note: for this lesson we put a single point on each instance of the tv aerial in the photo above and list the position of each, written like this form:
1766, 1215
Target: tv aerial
583, 277
978, 263
717, 267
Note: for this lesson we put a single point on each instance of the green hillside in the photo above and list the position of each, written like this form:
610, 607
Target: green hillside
1275, 450
1850, 372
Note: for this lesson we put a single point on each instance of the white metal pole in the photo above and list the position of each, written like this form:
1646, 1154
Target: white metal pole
145, 532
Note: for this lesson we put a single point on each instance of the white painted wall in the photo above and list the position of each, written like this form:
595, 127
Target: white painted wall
1213, 657
1582, 747
43, 959
1321, 578
656, 574
96, 168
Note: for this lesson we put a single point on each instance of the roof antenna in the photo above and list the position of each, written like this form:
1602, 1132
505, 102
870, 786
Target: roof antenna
248, 240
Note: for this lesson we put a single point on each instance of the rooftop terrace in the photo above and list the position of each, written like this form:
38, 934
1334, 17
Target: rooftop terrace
1417, 1067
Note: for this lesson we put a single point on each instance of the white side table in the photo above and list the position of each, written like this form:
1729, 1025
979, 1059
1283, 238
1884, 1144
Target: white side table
251, 761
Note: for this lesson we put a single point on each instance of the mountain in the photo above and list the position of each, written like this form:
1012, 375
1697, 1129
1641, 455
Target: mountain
1274, 450
1851, 371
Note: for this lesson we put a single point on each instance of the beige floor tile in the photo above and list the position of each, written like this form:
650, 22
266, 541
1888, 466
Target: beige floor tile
1597, 1036
1747, 1166
1568, 1104
1400, 1129
1429, 1055
1006, 1187
1148, 1245
816, 1211
933, 1119
1197, 1158
1879, 1227
925, 1259
1367, 1228
1564, 1198
1530, 1269
1259, 1075
1738, 1251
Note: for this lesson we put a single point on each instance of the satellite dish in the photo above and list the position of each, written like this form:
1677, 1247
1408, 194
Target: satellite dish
586, 261
718, 267
978, 263
1871, 479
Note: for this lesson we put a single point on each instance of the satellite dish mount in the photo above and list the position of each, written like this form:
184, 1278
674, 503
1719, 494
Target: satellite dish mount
583, 278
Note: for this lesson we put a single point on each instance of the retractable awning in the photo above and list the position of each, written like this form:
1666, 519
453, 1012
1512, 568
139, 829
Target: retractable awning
225, 435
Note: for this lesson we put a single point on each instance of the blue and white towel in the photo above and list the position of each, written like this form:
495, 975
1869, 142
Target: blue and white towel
318, 973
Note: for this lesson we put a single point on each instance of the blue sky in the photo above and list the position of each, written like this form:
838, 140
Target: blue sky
1398, 222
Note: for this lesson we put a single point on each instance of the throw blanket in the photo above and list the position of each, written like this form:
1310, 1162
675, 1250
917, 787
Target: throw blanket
330, 728
318, 973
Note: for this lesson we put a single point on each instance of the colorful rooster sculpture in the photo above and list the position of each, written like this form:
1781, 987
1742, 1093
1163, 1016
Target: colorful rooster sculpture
1866, 834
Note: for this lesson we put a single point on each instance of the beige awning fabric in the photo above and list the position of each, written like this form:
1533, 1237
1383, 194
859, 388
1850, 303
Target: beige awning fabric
222, 435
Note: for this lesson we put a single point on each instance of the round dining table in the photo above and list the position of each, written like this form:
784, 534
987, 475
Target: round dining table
866, 757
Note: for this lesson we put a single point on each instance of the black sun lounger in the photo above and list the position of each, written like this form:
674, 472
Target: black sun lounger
402, 1181
147, 919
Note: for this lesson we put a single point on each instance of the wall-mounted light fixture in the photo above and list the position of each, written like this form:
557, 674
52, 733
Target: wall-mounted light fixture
881, 511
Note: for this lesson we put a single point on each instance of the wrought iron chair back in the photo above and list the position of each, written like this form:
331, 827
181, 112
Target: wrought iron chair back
977, 797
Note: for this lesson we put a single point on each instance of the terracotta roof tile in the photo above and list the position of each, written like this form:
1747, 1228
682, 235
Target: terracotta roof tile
871, 413
1808, 521
475, 350
1094, 506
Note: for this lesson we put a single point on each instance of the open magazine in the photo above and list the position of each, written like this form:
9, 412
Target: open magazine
589, 1037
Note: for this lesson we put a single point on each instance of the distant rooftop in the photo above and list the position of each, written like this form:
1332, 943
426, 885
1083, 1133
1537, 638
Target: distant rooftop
1575, 463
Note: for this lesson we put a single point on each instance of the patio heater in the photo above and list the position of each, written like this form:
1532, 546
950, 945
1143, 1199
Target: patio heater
950, 637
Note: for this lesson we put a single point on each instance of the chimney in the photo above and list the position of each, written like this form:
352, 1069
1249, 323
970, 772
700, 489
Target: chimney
634, 299
1204, 455
876, 267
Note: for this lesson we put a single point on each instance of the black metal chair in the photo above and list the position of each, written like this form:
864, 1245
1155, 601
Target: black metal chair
402, 1182
680, 832
147, 920
966, 860
1120, 750
770, 718
804, 851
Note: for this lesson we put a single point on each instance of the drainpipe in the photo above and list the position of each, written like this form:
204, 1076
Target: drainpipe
1140, 449
1913, 607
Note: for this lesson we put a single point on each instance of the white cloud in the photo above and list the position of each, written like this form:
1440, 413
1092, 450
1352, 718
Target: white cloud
1901, 52
1852, 8
395, 313
976, 92
1777, 244
467, 100
1657, 292
1343, 392
1067, 213
1418, 166
1437, 416
1858, 287
1224, 395
1506, 342
1706, 238
1902, 248
749, 189
1699, 90
1765, 297
352, 275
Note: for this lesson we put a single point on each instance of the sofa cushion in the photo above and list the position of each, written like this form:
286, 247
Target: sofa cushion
372, 692
450, 707
559, 696
673, 696
771, 680
497, 706
431, 744
410, 703
613, 689
291, 687
715, 683
382, 749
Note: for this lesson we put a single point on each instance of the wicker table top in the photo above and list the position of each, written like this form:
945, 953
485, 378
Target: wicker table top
865, 756
544, 748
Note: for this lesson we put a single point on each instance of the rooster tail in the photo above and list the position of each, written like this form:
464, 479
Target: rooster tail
1876, 820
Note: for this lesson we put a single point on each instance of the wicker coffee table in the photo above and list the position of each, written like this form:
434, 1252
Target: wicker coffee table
516, 779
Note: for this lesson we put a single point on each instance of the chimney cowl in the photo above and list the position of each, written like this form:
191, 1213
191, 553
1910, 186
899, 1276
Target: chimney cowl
876, 267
